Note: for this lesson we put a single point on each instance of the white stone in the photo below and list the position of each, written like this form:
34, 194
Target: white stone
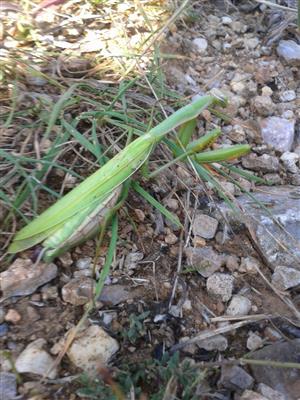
217, 342
254, 341
220, 286
285, 277
251, 43
288, 95
84, 262
266, 91
289, 161
290, 51
288, 114
23, 277
263, 105
187, 305
226, 20
250, 265
205, 260
270, 393
251, 395
239, 305
264, 163
35, 360
92, 349
201, 44
238, 87
205, 226
278, 132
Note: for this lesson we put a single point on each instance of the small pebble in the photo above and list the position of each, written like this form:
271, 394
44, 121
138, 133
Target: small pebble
251, 43
2, 315
12, 316
84, 263
239, 305
199, 241
220, 286
172, 204
140, 214
226, 20
232, 263
249, 265
290, 161
272, 334
66, 260
205, 226
266, 91
3, 329
254, 341
200, 44
171, 238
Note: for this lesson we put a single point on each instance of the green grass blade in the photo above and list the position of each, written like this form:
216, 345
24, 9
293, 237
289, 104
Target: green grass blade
28, 187
245, 174
13, 106
58, 107
109, 257
7, 201
80, 138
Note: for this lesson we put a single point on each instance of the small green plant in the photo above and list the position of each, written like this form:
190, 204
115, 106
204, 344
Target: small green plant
155, 378
136, 326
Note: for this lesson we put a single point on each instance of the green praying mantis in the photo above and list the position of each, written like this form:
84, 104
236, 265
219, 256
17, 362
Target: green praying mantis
78, 215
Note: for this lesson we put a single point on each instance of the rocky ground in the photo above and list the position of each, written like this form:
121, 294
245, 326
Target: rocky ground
226, 288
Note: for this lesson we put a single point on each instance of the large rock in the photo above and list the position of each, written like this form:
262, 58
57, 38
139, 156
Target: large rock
264, 163
279, 246
290, 51
270, 393
250, 395
34, 359
23, 277
278, 132
284, 380
205, 260
235, 378
217, 342
285, 278
92, 349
